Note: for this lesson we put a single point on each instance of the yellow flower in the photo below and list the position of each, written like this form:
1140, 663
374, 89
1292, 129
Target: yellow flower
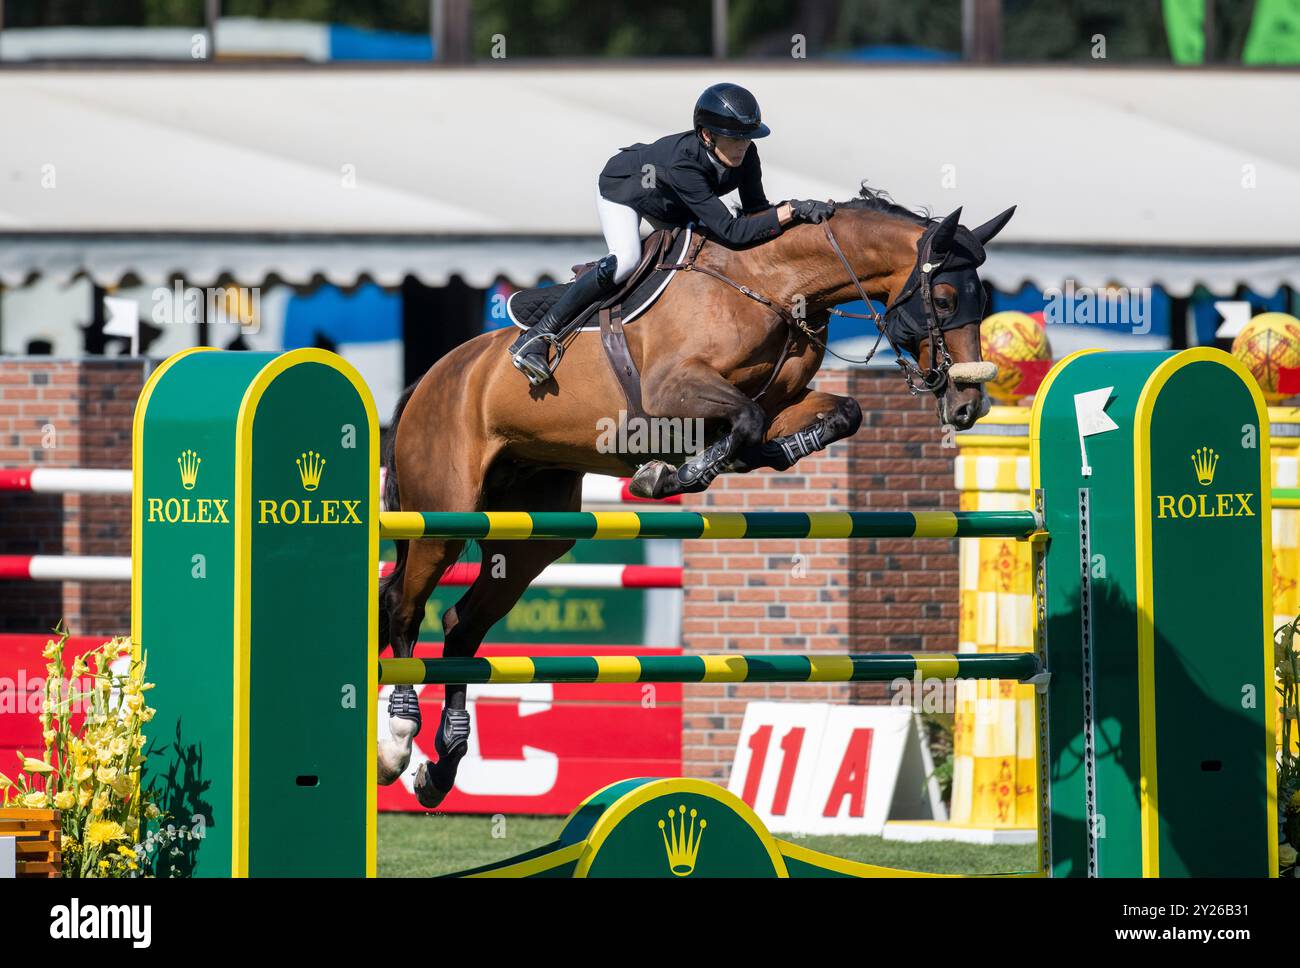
118, 745
52, 649
1286, 855
78, 668
100, 832
83, 797
49, 736
5, 782
65, 800
106, 774
147, 714
152, 811
37, 800
82, 774
122, 786
100, 802
33, 765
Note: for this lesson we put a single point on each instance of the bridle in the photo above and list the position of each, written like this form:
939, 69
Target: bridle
934, 377
919, 380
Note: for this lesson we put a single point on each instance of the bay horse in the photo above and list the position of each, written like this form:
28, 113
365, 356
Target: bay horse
732, 344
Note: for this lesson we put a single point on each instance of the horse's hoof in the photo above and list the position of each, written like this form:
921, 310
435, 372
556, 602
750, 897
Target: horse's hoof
395, 750
652, 480
427, 790
386, 774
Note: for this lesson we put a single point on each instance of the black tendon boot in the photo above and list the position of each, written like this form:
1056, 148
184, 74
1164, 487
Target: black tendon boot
530, 351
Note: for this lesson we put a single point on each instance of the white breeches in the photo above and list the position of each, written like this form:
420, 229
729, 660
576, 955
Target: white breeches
622, 228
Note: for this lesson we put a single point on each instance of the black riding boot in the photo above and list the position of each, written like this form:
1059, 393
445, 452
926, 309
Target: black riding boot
529, 352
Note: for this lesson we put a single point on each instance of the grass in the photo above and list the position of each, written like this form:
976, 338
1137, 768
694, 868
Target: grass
426, 845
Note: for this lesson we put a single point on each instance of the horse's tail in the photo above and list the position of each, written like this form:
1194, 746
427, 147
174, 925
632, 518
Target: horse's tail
392, 501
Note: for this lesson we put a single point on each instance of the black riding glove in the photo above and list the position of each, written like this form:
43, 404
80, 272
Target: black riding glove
810, 210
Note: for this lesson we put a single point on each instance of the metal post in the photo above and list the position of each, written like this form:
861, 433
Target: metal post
1207, 28
981, 31
437, 27
720, 29
211, 14
456, 32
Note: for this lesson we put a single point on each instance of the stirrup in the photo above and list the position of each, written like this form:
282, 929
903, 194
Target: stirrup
538, 375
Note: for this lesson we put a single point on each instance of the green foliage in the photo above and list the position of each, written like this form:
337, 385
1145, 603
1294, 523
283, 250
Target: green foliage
409, 16
1033, 30
103, 13
1286, 655
621, 28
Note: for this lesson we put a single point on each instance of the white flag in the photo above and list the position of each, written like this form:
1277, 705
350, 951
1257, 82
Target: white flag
1235, 313
1090, 413
123, 320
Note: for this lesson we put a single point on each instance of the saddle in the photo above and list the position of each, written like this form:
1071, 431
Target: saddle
661, 252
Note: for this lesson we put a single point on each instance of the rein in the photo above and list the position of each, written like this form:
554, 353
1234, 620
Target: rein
918, 380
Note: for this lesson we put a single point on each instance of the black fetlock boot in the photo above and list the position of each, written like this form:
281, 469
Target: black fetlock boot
433, 781
530, 352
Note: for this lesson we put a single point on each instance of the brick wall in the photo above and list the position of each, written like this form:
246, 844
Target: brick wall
66, 413
895, 595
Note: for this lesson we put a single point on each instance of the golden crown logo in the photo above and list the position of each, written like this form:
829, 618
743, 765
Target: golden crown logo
681, 843
189, 464
310, 467
1205, 460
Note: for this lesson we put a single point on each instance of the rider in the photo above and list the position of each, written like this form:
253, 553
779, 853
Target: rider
677, 180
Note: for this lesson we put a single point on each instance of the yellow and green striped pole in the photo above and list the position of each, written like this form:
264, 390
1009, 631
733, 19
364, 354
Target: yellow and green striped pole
617, 525
737, 667
1286, 497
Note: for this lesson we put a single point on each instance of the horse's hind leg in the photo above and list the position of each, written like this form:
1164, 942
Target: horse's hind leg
420, 566
507, 569
809, 424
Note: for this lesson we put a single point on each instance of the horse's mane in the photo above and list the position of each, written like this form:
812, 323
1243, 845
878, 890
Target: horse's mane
879, 200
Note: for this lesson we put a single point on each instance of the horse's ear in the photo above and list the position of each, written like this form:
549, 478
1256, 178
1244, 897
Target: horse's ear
943, 235
993, 226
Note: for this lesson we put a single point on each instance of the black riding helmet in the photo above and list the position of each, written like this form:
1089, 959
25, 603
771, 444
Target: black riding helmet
730, 110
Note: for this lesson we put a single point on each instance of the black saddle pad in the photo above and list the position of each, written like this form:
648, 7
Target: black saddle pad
527, 306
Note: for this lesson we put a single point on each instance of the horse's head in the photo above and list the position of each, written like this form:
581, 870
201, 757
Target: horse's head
935, 316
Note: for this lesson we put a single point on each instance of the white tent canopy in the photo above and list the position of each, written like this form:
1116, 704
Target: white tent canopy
1121, 176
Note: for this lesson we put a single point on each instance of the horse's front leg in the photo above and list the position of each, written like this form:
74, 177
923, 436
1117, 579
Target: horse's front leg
809, 424
692, 391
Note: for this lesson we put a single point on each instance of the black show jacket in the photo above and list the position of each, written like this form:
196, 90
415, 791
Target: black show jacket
686, 186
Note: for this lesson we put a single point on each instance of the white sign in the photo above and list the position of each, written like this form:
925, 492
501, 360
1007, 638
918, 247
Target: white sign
819, 768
